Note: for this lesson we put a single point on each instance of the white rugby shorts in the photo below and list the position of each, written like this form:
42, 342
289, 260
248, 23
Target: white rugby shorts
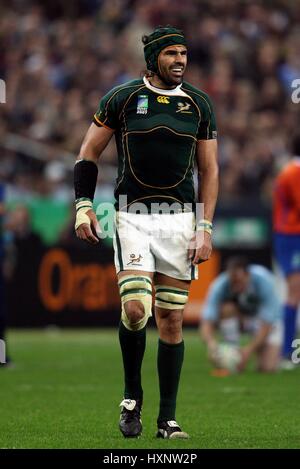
155, 243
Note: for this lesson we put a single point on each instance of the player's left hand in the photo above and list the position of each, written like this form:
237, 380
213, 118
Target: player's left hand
245, 356
200, 247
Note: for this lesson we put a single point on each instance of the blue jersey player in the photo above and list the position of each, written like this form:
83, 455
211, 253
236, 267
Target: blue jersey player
244, 299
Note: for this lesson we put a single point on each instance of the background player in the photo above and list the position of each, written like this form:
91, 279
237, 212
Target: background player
286, 224
244, 298
160, 124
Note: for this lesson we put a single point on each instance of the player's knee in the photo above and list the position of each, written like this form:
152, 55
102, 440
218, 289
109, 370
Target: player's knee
134, 315
228, 310
136, 299
171, 301
135, 311
171, 323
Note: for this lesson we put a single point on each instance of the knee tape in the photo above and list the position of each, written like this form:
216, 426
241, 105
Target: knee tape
170, 297
138, 288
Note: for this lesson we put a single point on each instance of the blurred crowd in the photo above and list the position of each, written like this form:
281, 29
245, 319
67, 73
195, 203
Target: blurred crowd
58, 58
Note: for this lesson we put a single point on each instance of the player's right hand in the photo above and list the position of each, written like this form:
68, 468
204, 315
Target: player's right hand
200, 247
87, 226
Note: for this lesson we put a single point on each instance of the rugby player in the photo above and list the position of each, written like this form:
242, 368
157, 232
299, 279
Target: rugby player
244, 298
162, 126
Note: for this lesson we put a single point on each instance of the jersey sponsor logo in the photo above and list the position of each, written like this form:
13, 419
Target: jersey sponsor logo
142, 104
184, 108
163, 99
135, 260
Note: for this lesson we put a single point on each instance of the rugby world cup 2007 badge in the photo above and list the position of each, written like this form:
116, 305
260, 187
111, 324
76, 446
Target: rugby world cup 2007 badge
142, 104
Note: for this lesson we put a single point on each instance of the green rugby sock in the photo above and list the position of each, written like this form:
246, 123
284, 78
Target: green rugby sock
169, 364
133, 344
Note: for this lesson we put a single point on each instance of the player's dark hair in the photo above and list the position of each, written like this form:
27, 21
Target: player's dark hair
295, 145
146, 73
237, 262
145, 38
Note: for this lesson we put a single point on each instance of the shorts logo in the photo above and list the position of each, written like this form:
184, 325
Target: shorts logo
163, 99
142, 104
135, 260
184, 108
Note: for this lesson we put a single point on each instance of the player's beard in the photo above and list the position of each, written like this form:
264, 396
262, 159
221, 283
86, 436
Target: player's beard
166, 77
170, 82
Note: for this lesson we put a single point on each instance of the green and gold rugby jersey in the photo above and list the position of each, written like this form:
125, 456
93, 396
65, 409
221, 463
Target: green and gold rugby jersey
156, 135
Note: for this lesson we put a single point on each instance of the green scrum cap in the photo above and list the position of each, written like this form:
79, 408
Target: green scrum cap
159, 40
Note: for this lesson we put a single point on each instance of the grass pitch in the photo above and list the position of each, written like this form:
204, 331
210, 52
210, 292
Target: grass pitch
66, 386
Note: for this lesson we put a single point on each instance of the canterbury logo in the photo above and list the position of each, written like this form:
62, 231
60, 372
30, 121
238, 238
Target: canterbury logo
163, 100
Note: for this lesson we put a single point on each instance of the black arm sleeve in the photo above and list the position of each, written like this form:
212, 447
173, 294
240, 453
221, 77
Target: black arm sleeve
85, 179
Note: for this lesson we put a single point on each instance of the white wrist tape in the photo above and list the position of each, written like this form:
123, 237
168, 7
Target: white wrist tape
82, 207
